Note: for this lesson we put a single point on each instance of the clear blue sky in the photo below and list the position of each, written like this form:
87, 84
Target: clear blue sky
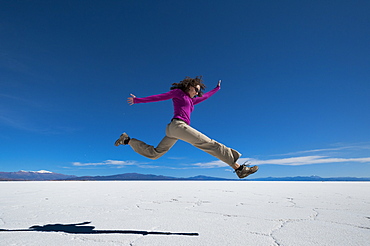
295, 96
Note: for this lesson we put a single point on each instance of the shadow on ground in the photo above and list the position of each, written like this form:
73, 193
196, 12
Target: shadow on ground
81, 228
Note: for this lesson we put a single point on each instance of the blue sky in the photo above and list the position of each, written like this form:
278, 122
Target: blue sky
294, 97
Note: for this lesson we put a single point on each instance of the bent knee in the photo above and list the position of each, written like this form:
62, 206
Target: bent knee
153, 157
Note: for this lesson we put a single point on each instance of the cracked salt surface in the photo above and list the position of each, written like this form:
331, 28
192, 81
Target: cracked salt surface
223, 213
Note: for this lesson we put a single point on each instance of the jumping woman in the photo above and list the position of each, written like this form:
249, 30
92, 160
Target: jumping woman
185, 95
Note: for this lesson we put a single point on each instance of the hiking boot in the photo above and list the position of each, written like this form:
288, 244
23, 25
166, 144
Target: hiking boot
123, 139
244, 170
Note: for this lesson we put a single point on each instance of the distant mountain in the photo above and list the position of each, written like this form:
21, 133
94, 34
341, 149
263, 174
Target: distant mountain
46, 175
201, 177
138, 176
34, 175
310, 178
125, 176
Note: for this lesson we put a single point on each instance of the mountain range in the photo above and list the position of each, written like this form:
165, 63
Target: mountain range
46, 175
43, 175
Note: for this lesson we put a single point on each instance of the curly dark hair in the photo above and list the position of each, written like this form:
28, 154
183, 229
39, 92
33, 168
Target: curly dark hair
185, 84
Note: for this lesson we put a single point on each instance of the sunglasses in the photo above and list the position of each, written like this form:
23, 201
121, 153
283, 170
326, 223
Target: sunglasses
196, 89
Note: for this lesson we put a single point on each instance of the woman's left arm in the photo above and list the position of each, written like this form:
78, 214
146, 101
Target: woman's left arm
208, 94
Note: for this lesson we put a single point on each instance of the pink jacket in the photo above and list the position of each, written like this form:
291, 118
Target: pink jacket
183, 104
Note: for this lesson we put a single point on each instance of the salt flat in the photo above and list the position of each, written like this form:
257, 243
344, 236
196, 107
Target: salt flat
184, 213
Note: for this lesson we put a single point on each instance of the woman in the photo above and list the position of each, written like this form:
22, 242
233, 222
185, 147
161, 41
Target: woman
185, 95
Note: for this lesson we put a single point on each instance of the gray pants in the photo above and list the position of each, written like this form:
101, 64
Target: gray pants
178, 129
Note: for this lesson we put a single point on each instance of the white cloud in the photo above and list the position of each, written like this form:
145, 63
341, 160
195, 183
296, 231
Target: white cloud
106, 163
176, 158
212, 164
307, 160
317, 150
321, 156
357, 147
288, 161
291, 161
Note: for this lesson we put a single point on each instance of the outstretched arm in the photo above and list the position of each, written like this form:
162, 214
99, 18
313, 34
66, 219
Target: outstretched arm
155, 98
208, 94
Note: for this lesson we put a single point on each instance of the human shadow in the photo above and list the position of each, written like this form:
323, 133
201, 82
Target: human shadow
80, 228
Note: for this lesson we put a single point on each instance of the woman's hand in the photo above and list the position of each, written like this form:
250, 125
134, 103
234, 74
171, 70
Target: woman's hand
130, 100
219, 83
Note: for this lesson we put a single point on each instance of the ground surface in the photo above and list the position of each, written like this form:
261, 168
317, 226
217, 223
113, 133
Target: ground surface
184, 213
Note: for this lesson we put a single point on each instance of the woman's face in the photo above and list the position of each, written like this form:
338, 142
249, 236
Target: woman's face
193, 91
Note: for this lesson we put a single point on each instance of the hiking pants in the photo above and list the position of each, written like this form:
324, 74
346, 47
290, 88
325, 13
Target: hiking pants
178, 129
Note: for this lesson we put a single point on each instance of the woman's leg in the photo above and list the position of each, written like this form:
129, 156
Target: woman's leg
149, 151
180, 130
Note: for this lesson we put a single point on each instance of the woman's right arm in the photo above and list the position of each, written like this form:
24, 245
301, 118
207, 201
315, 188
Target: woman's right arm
155, 98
